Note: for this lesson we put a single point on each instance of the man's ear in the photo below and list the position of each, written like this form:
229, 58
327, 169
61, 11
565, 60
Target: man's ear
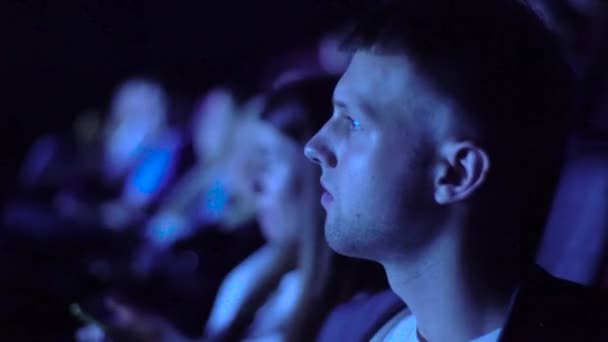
462, 169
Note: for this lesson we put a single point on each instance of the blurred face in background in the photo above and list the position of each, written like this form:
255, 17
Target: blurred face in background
213, 123
281, 179
137, 113
332, 59
221, 131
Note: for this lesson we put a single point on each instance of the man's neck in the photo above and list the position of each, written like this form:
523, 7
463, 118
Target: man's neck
448, 305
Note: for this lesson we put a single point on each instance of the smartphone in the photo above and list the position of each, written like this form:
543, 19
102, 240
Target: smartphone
85, 317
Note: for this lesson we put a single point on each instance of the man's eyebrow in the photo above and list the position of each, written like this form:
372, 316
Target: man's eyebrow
339, 104
360, 106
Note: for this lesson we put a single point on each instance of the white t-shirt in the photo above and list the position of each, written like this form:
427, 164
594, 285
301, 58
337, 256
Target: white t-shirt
402, 328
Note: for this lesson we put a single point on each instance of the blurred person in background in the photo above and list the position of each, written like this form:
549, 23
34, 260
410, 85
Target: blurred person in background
205, 195
112, 170
141, 150
202, 192
140, 153
203, 225
74, 191
55, 164
137, 116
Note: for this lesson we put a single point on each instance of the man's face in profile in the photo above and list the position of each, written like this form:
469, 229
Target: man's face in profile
376, 158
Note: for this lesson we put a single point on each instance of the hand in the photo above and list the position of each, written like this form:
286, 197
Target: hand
129, 324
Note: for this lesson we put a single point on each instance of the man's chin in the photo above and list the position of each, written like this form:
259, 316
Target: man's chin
341, 244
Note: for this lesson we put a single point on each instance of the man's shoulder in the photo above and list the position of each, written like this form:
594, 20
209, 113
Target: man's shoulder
360, 318
548, 308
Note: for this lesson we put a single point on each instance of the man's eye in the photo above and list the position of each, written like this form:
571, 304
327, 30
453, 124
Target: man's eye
353, 122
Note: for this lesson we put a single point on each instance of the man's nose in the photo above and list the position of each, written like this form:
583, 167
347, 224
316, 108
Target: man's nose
318, 151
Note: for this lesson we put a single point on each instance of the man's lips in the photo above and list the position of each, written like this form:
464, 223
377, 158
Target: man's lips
327, 197
325, 188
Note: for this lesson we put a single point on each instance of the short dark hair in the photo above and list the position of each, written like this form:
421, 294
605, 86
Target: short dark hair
506, 77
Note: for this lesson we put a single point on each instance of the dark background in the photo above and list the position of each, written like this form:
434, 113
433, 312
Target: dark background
58, 58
